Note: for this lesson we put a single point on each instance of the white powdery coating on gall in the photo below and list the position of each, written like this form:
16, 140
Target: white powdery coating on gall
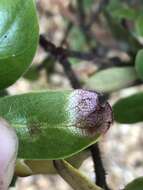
80, 105
8, 153
88, 114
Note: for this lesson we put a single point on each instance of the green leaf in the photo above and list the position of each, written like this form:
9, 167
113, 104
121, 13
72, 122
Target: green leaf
36, 166
139, 63
113, 5
18, 38
88, 4
77, 39
76, 179
32, 73
3, 93
139, 25
54, 125
136, 184
112, 79
121, 10
130, 109
125, 12
125, 37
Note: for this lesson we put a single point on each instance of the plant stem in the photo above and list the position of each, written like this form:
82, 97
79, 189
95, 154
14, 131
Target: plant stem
98, 165
59, 54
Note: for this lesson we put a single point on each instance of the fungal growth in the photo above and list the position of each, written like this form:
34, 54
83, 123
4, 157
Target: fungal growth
8, 153
89, 112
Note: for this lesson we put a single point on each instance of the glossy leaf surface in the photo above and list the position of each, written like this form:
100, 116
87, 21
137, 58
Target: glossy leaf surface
139, 25
18, 38
112, 79
130, 109
34, 166
136, 184
139, 63
47, 123
76, 179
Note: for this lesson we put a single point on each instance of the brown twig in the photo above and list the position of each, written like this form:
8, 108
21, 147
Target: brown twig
59, 54
98, 165
100, 61
66, 33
